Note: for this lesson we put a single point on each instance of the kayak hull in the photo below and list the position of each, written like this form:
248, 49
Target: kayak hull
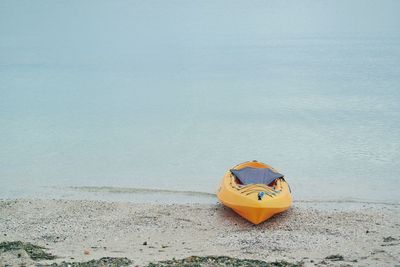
244, 199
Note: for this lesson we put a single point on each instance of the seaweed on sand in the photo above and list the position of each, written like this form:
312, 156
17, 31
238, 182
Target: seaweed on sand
192, 261
35, 252
214, 261
103, 262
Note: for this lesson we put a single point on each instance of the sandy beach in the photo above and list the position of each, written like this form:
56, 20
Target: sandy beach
331, 234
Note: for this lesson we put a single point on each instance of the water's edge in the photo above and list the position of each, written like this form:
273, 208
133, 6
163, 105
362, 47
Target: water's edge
166, 196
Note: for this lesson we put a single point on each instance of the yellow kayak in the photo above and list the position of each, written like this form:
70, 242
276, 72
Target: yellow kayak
255, 191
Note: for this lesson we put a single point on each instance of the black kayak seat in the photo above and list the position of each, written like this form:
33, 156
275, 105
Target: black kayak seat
250, 175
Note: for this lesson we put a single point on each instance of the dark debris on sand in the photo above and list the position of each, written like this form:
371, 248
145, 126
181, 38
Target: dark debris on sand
213, 261
389, 239
336, 257
193, 261
103, 262
35, 252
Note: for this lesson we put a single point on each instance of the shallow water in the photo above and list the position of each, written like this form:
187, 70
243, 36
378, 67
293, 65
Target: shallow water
169, 95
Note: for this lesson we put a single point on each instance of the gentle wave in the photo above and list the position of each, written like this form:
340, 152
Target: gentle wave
130, 190
343, 201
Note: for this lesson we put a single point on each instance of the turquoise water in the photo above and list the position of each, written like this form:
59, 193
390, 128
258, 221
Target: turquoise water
171, 94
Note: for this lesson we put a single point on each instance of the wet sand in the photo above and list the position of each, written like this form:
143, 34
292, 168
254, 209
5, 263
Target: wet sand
334, 234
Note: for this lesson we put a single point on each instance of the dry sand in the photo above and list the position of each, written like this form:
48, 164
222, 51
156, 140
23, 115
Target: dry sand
365, 235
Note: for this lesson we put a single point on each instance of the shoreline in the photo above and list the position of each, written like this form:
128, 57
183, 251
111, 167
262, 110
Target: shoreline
140, 195
83, 230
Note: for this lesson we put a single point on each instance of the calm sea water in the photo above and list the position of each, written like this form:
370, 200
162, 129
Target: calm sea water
171, 94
